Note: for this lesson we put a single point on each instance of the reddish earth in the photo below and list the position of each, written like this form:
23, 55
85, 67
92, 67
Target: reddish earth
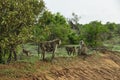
103, 66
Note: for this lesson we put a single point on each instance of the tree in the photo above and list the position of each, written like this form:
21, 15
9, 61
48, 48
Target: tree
59, 28
74, 23
51, 26
117, 29
112, 28
75, 18
92, 33
17, 18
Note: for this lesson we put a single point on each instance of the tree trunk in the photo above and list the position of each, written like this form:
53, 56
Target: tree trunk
1, 60
15, 55
10, 56
38, 49
12, 51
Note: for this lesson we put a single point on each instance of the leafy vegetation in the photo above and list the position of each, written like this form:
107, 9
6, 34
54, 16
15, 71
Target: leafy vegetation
17, 18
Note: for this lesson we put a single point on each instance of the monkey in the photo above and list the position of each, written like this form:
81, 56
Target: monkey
26, 52
49, 46
70, 50
82, 49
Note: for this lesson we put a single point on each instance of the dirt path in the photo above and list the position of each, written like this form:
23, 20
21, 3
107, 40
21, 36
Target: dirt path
96, 67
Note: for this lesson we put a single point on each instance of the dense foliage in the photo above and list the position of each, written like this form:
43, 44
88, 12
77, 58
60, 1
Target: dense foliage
16, 19
51, 26
92, 33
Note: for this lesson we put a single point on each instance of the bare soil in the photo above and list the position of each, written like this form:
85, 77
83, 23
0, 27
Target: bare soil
102, 66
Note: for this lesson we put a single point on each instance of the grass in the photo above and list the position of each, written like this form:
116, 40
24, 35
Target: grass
112, 44
116, 48
8, 72
113, 47
16, 72
30, 59
61, 52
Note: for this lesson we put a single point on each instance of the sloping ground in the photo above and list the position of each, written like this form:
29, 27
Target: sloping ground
104, 66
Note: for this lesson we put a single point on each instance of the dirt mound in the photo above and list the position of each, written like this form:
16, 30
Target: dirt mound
105, 67
96, 67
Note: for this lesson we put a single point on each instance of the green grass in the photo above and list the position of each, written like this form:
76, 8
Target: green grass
116, 48
112, 44
61, 52
30, 59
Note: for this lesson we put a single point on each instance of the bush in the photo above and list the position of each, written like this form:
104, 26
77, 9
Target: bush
92, 33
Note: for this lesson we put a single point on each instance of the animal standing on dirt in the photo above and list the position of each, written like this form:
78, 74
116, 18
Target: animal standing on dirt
82, 49
70, 50
26, 52
49, 46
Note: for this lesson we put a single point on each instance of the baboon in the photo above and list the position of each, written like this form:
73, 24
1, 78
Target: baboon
70, 50
82, 49
26, 52
49, 46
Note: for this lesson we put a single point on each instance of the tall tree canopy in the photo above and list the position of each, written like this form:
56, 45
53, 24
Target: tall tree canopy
51, 26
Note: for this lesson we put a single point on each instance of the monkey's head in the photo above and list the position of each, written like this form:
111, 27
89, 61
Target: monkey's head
81, 42
58, 41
